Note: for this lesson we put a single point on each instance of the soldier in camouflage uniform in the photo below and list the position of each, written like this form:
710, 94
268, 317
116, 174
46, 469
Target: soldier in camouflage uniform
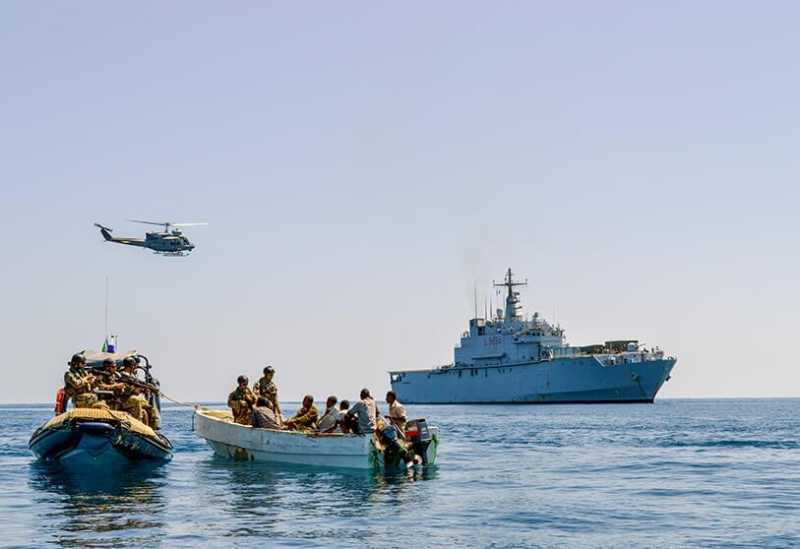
306, 417
241, 402
134, 399
79, 384
267, 388
110, 385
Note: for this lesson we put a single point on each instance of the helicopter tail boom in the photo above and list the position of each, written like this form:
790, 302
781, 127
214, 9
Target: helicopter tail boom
105, 231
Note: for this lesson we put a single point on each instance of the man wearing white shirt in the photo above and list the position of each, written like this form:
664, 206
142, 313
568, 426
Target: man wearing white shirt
329, 421
367, 413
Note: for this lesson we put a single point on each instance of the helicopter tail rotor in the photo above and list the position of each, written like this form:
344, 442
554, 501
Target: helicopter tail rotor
105, 231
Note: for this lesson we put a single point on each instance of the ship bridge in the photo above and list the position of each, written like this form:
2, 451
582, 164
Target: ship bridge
507, 337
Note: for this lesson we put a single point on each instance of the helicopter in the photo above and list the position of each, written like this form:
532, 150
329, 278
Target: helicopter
169, 242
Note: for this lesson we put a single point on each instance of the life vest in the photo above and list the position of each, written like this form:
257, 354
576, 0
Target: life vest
61, 401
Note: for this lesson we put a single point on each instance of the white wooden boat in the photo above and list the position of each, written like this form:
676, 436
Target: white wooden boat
242, 442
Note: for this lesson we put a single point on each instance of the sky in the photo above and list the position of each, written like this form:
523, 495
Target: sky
363, 166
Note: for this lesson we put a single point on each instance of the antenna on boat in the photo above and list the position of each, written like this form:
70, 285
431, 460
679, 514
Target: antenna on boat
106, 333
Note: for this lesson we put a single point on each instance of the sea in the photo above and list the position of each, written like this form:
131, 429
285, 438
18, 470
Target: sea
676, 473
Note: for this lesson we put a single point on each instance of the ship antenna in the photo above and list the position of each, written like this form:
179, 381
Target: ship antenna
511, 298
475, 297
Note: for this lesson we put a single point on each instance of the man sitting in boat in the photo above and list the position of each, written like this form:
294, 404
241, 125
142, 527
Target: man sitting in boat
264, 417
329, 422
306, 417
397, 412
346, 423
366, 411
79, 385
241, 401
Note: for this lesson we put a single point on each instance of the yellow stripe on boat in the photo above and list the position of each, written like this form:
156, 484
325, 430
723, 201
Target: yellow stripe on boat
100, 415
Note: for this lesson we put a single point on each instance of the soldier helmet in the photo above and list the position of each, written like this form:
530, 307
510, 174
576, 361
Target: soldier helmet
109, 362
128, 361
242, 379
269, 369
77, 359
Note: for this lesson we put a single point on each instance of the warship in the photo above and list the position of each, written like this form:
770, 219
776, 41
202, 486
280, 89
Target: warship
511, 359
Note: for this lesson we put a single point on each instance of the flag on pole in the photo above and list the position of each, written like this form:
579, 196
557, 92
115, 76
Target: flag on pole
108, 345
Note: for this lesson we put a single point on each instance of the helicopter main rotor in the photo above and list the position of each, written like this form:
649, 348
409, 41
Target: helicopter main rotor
167, 224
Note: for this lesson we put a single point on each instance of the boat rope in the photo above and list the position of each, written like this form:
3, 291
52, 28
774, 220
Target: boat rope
178, 402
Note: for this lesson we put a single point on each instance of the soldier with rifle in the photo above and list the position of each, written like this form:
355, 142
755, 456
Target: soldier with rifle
140, 391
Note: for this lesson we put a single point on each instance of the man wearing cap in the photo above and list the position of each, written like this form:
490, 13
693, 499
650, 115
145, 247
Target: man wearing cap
134, 399
241, 401
110, 385
266, 388
79, 384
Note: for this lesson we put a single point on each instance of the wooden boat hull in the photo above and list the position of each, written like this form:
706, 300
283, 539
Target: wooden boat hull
241, 442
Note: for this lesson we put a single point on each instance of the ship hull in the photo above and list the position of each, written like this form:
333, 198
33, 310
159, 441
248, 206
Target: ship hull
559, 381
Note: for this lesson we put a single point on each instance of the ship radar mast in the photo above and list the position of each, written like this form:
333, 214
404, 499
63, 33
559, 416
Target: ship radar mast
512, 299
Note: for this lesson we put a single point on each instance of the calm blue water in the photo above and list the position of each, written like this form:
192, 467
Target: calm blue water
675, 473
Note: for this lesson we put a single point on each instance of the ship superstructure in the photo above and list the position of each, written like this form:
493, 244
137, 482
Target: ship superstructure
508, 358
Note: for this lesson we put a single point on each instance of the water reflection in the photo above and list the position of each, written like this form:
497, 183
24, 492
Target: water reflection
80, 510
278, 500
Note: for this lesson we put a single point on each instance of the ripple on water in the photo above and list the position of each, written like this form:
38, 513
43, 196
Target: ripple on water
714, 473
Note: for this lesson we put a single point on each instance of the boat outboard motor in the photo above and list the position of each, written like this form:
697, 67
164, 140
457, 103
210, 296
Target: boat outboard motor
419, 435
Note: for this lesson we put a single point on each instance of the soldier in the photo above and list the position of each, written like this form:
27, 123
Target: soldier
241, 401
306, 417
109, 386
79, 384
266, 388
134, 397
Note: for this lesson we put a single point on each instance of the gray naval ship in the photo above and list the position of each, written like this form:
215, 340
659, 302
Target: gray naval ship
509, 359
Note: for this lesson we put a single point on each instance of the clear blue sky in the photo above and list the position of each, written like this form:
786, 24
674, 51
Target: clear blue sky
362, 165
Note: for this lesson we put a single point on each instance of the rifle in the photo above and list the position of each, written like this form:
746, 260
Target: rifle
127, 378
136, 382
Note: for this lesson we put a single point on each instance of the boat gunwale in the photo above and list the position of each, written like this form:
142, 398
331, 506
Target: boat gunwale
71, 424
311, 434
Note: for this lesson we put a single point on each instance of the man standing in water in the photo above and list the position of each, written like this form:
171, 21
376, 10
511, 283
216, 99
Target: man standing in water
241, 401
267, 388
